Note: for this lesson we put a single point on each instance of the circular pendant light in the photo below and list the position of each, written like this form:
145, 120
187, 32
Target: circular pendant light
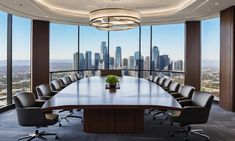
114, 19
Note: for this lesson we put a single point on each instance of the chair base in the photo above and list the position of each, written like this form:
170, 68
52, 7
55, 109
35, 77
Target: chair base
70, 115
38, 135
188, 131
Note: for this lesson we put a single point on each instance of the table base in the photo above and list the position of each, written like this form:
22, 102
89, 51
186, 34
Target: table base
113, 120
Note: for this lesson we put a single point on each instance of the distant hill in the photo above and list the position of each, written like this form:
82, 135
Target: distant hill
210, 63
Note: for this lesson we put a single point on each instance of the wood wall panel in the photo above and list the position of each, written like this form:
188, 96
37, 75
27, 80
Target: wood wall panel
193, 54
39, 54
227, 59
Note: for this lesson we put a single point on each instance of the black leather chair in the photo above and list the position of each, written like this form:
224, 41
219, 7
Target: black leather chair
65, 81
56, 86
161, 81
29, 114
44, 92
186, 92
173, 88
73, 78
166, 84
195, 111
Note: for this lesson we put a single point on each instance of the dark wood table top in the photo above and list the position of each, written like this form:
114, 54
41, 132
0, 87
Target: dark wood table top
133, 93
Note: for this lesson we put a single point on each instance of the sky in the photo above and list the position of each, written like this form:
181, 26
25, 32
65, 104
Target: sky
64, 40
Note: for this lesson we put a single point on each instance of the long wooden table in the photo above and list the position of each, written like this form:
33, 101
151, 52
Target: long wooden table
113, 111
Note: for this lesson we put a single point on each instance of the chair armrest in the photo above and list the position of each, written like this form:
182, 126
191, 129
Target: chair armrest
183, 98
176, 95
39, 103
44, 97
184, 103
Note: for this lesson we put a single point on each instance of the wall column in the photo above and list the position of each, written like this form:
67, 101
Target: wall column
193, 54
227, 58
39, 54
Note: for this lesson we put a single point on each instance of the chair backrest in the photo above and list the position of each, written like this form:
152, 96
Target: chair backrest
203, 99
43, 90
24, 99
27, 113
72, 78
56, 85
78, 76
174, 86
110, 72
167, 83
65, 81
156, 79
151, 77
161, 81
187, 91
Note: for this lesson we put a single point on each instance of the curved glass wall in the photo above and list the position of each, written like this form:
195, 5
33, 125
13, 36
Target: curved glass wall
168, 50
3, 59
210, 54
20, 54
137, 52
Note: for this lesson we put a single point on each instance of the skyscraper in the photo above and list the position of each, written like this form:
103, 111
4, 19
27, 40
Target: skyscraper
81, 61
75, 61
164, 62
137, 55
147, 63
155, 58
88, 59
118, 57
111, 62
104, 54
178, 65
97, 60
131, 62
125, 62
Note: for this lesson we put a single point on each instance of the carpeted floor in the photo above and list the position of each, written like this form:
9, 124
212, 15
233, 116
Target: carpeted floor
220, 127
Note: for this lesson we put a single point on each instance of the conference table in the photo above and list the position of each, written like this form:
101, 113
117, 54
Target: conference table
112, 110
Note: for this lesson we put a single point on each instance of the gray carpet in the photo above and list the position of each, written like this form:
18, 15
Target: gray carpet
221, 127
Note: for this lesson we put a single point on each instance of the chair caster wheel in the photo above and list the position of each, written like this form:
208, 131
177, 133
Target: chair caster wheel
60, 125
56, 137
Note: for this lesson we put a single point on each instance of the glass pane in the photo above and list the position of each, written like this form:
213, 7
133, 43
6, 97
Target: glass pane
124, 51
21, 54
93, 50
3, 59
210, 56
63, 47
168, 50
145, 51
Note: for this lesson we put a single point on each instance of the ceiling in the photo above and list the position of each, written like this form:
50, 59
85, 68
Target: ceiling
152, 11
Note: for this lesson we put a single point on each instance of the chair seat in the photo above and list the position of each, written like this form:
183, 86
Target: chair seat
51, 118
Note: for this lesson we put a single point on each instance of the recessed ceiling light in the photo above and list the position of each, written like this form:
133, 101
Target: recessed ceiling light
217, 3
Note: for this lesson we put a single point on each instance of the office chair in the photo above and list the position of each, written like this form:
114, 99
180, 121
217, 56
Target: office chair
173, 88
56, 86
29, 113
65, 81
166, 83
186, 92
195, 111
44, 92
161, 81
73, 78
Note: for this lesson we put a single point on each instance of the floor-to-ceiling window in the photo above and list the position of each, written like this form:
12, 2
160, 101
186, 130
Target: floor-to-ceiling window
93, 50
124, 51
63, 48
210, 54
20, 54
168, 50
145, 51
3, 59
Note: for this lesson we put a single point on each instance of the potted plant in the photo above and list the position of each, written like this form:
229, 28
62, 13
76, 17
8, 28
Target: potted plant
112, 80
